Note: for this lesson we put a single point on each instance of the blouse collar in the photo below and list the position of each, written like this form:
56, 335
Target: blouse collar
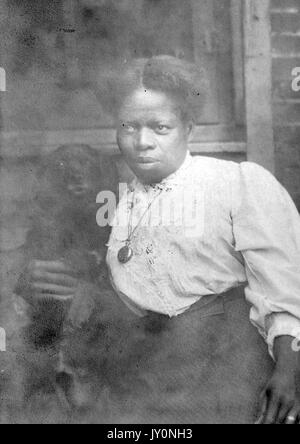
168, 182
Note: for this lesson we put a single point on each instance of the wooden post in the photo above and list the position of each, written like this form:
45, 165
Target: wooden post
3, 75
2, 91
258, 82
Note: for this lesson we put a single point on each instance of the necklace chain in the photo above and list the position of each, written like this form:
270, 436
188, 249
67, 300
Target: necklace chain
132, 231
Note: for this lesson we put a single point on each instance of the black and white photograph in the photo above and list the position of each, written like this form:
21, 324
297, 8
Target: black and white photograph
149, 214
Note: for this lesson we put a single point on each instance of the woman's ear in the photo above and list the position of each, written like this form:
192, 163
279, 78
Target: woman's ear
190, 130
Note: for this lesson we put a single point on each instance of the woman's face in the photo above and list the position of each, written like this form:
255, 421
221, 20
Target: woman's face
152, 135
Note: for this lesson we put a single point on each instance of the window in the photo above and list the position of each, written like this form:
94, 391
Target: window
54, 49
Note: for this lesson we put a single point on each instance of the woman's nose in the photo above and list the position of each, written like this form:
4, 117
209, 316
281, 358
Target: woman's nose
145, 140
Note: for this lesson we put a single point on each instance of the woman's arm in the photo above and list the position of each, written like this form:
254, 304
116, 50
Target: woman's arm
280, 399
266, 228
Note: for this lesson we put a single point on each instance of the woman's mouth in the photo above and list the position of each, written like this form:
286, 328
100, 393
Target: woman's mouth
146, 160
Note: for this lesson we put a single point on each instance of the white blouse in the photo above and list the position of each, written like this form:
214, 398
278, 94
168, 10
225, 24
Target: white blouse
210, 227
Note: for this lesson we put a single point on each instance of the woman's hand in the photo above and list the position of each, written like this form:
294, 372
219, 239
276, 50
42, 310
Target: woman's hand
50, 280
281, 400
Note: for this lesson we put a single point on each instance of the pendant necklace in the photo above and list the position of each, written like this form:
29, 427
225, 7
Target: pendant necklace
126, 253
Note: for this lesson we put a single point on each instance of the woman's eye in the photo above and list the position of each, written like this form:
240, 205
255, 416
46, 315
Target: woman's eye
128, 128
162, 129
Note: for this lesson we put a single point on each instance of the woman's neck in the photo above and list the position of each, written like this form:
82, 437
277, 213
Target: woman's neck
162, 178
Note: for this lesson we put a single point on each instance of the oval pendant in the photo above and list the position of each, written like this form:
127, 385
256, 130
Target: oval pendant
125, 254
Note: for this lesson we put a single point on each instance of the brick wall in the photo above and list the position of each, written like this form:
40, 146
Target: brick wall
285, 16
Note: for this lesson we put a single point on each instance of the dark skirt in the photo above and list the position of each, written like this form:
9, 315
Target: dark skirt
208, 365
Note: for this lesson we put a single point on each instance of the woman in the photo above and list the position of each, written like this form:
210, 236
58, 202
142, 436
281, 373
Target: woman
190, 353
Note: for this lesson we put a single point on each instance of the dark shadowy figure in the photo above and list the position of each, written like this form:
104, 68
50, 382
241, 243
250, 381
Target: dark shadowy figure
64, 229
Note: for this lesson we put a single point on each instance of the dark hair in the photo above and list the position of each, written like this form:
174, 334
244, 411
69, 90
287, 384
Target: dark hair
177, 77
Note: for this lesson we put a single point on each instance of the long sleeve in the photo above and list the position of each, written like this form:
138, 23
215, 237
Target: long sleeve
266, 228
